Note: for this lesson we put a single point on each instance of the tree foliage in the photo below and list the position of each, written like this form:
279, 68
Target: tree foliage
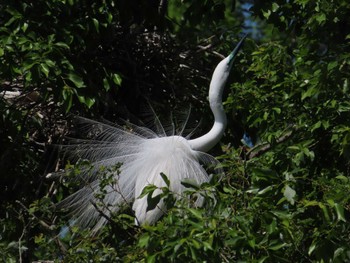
283, 200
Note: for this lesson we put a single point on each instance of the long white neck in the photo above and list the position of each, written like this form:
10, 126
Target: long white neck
217, 85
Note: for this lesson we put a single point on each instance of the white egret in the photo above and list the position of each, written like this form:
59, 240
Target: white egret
144, 155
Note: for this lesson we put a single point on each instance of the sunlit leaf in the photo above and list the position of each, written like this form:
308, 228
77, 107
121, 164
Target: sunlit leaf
149, 189
45, 69
340, 212
289, 193
77, 80
96, 24
117, 79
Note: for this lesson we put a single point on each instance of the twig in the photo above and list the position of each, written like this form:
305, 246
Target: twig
264, 147
41, 222
99, 210
19, 243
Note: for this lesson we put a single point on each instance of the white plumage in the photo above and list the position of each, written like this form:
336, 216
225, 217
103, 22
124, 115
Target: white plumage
144, 155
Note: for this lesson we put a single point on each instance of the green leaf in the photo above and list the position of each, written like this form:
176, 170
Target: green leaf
96, 24
117, 79
252, 243
265, 190
266, 14
196, 213
28, 76
11, 20
266, 115
207, 246
50, 63
28, 64
342, 178
67, 94
77, 80
165, 179
332, 65
275, 7
196, 244
344, 106
316, 126
278, 110
45, 69
277, 246
151, 258
24, 27
152, 202
89, 102
325, 211
321, 18
262, 259
294, 148
339, 252
340, 212
310, 203
310, 92
106, 84
188, 183
312, 248
62, 45
148, 189
289, 194
1, 52
144, 240
272, 227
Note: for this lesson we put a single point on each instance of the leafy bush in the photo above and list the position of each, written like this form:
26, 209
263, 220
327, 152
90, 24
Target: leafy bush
283, 200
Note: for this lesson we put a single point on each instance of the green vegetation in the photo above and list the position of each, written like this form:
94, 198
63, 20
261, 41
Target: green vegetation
284, 200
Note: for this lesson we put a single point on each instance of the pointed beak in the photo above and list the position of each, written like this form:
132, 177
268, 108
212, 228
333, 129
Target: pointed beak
236, 50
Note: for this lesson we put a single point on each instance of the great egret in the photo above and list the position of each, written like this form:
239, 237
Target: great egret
144, 155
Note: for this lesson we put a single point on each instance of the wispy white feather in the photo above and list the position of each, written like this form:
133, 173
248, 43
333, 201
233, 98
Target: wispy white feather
144, 155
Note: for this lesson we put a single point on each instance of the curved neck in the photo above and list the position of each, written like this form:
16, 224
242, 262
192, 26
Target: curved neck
217, 85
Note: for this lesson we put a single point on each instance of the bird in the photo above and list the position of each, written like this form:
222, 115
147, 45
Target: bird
144, 157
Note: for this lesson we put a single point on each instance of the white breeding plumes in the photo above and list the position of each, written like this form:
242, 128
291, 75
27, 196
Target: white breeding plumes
144, 155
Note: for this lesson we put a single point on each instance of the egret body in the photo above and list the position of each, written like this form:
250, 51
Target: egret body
144, 155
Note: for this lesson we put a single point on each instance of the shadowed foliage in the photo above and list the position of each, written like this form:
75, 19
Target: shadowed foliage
283, 200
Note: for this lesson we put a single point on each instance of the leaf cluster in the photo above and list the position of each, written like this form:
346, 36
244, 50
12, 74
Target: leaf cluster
283, 200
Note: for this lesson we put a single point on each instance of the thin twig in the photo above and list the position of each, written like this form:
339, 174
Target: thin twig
264, 147
41, 222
